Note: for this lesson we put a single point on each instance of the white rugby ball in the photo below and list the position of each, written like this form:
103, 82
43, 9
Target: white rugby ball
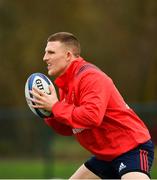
42, 82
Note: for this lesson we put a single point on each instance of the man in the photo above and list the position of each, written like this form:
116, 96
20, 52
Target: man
91, 108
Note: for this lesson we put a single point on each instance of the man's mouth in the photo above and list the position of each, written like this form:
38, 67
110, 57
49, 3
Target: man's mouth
48, 66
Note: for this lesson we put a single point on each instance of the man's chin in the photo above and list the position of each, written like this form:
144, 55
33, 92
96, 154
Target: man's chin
51, 73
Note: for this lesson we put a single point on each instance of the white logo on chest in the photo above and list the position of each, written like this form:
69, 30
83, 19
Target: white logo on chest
77, 130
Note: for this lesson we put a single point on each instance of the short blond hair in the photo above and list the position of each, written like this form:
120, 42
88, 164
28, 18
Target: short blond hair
68, 39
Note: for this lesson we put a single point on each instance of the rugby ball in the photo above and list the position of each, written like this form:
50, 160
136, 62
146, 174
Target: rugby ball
42, 82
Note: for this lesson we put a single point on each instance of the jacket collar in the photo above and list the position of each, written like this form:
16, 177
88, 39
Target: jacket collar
62, 80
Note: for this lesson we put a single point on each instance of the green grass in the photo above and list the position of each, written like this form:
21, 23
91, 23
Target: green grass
26, 169
67, 157
21, 169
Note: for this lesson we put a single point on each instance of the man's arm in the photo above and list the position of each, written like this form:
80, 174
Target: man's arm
58, 127
94, 94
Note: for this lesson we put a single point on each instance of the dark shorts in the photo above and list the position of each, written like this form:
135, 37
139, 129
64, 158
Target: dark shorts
139, 159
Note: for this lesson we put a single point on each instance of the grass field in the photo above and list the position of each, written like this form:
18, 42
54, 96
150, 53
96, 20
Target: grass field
67, 157
26, 169
30, 169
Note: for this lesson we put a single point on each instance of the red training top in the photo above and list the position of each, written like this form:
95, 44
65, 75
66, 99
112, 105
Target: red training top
92, 109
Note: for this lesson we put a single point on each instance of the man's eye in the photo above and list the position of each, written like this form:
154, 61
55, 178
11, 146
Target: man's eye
51, 52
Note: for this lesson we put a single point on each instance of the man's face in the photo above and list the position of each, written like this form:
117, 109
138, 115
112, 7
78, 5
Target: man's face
57, 58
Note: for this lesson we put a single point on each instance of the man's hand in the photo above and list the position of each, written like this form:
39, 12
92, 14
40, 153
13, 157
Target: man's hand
43, 100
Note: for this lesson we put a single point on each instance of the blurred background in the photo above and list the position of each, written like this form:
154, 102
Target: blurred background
119, 36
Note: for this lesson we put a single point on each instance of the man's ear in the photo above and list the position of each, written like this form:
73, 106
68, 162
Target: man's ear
69, 56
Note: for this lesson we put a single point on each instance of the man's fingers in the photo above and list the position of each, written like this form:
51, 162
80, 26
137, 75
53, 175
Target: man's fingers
36, 94
41, 93
51, 88
37, 106
36, 101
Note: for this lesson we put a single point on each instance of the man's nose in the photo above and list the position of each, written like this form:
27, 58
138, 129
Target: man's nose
45, 57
